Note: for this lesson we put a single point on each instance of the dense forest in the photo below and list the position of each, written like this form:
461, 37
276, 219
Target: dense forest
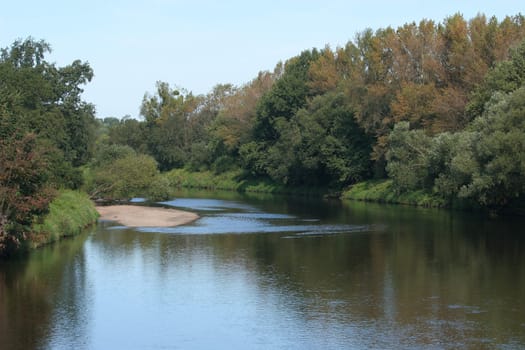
432, 107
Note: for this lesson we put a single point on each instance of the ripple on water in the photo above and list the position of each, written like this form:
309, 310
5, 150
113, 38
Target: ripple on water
466, 308
267, 216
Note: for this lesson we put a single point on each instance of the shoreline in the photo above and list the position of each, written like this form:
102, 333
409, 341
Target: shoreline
141, 216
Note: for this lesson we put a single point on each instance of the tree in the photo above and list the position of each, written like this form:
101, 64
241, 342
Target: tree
422, 73
414, 104
323, 73
232, 127
129, 132
334, 150
120, 173
38, 97
286, 97
506, 77
46, 131
168, 116
321, 145
408, 157
23, 192
417, 161
493, 164
275, 109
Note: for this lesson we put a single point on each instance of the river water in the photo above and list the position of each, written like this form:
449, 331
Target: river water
274, 273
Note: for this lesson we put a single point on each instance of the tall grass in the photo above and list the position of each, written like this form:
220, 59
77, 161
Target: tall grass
69, 213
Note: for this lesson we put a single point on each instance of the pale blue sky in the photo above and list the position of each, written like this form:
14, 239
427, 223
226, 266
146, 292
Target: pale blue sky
196, 44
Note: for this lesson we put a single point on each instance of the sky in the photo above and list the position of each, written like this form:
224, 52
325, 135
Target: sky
132, 44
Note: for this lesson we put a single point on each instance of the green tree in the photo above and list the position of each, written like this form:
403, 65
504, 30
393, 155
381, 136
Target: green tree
46, 132
169, 120
334, 150
36, 96
493, 164
128, 175
233, 124
286, 97
23, 190
408, 157
274, 111
129, 132
506, 77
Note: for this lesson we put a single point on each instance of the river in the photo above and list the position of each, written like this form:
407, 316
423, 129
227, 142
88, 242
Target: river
274, 273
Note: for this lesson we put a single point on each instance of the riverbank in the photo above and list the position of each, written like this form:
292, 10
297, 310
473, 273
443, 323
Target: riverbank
383, 191
140, 216
233, 181
378, 191
69, 213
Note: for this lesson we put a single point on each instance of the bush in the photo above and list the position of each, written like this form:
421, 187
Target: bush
159, 189
124, 178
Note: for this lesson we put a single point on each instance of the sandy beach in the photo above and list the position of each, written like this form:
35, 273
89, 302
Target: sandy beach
139, 216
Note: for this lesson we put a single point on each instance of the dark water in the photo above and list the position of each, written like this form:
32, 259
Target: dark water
275, 273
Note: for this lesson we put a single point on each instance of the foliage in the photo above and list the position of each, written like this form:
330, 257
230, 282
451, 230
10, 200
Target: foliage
506, 77
36, 96
285, 98
106, 154
23, 191
181, 178
384, 191
128, 132
232, 180
133, 175
46, 132
483, 163
168, 125
321, 145
271, 154
69, 212
232, 127
490, 168
408, 158
423, 73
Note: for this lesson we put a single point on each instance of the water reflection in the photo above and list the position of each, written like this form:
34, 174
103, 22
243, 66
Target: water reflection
42, 295
388, 277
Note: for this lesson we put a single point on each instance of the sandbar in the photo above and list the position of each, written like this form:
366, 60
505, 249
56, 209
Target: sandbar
140, 216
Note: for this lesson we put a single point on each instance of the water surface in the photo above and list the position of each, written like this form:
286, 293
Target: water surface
274, 273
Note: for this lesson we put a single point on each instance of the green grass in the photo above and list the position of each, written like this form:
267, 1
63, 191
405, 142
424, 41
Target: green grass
383, 191
69, 213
